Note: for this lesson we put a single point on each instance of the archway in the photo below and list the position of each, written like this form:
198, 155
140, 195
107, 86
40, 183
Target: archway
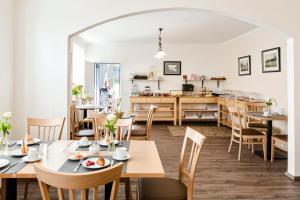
290, 64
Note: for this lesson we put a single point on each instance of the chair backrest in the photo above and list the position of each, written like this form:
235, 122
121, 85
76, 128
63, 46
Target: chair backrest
47, 129
187, 169
123, 125
74, 122
99, 124
236, 118
151, 113
256, 106
78, 181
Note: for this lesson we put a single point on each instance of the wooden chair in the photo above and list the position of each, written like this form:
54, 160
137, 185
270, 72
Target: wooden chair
144, 133
167, 188
47, 129
123, 125
99, 125
256, 107
242, 135
79, 181
75, 126
280, 142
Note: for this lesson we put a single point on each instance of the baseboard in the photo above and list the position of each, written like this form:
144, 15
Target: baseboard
292, 177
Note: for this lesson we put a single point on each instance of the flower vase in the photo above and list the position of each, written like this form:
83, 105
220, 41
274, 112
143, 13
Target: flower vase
111, 145
4, 144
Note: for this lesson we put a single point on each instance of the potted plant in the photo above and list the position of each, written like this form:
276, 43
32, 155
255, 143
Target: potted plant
77, 91
5, 127
270, 103
111, 120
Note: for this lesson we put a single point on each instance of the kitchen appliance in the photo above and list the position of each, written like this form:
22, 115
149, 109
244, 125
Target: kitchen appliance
187, 87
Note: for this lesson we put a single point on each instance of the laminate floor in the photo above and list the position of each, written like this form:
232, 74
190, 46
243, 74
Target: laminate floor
219, 174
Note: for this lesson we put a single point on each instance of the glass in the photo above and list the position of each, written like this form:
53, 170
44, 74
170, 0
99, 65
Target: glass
4, 144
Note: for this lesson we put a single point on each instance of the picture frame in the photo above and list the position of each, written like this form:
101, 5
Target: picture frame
172, 68
244, 65
271, 60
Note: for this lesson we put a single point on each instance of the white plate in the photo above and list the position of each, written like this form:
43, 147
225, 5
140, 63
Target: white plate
103, 143
17, 153
33, 160
3, 162
96, 166
32, 142
128, 156
72, 155
84, 145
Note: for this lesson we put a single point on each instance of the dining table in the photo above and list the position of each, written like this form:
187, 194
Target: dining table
259, 116
144, 163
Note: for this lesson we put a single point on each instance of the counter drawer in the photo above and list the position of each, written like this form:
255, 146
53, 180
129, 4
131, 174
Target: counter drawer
168, 100
138, 100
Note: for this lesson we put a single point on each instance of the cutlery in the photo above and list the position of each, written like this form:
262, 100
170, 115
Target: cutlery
80, 163
18, 162
12, 144
112, 162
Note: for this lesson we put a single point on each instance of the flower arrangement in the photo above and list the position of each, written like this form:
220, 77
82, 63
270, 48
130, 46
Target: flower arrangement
270, 103
111, 120
5, 125
77, 90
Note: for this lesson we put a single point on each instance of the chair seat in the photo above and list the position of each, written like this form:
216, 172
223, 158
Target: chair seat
162, 189
85, 133
251, 132
138, 132
281, 137
257, 125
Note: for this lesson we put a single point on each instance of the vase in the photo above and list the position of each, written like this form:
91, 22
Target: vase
111, 144
4, 144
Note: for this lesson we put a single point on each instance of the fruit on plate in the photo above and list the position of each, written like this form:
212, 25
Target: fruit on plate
90, 163
78, 155
101, 161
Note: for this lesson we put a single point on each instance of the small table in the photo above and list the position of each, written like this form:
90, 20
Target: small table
85, 108
269, 120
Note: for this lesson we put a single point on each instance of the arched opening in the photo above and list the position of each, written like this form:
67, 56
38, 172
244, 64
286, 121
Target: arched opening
289, 60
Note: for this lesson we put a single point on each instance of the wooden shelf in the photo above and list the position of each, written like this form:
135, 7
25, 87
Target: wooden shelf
218, 79
156, 111
157, 80
198, 119
198, 110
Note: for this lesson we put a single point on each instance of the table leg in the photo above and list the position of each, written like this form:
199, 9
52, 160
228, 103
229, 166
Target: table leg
269, 138
108, 188
9, 189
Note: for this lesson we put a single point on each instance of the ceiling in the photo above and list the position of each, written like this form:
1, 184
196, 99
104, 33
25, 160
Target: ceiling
180, 26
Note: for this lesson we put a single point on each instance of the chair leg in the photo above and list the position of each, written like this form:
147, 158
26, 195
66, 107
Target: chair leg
128, 189
230, 144
272, 151
26, 190
265, 148
252, 145
240, 149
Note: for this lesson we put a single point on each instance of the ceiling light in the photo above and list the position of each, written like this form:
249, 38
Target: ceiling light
160, 53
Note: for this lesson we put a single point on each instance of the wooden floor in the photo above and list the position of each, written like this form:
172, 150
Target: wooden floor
219, 175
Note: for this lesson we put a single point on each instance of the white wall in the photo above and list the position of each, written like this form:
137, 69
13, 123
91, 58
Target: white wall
42, 29
139, 58
6, 55
266, 84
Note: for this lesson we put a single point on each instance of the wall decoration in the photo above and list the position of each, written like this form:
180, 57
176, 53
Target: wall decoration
271, 60
172, 67
244, 65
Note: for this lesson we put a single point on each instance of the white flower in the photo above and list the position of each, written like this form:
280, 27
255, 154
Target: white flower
110, 117
7, 115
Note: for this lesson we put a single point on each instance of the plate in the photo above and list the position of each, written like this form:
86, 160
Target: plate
72, 156
128, 156
33, 160
84, 145
17, 153
32, 142
3, 162
96, 166
103, 143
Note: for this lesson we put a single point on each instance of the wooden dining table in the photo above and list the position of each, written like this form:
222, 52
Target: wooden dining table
144, 162
269, 121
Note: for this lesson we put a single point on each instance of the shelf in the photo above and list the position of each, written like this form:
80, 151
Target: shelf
198, 110
158, 81
156, 110
198, 119
210, 79
155, 119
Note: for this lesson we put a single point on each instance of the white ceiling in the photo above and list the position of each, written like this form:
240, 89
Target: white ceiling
179, 27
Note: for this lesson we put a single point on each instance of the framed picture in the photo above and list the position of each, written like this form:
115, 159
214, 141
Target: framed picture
244, 65
172, 67
271, 60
